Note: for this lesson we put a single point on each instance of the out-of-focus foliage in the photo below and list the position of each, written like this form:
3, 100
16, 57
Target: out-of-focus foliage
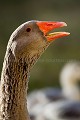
15, 12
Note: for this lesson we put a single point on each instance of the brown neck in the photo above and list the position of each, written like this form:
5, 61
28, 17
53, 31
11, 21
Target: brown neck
14, 83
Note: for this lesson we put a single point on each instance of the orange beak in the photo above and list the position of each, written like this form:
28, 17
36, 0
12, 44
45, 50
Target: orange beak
46, 27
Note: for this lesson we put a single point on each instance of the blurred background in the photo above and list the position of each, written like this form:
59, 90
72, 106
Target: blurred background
15, 12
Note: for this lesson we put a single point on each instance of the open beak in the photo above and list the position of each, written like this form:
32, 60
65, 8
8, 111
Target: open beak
46, 27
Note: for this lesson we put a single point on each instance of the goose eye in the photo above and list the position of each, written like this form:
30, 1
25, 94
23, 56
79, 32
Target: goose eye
28, 29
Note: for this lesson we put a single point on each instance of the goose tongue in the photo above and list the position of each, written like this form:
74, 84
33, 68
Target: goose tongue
46, 27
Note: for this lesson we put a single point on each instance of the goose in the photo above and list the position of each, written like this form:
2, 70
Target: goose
70, 79
68, 108
25, 46
71, 74
38, 99
61, 110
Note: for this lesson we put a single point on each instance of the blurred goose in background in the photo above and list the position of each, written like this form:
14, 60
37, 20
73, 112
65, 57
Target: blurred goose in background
70, 80
46, 94
67, 104
60, 110
38, 99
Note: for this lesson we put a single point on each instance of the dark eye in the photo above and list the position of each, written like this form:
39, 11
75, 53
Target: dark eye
28, 29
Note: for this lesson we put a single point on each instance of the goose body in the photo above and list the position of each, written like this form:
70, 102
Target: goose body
60, 110
25, 46
67, 108
38, 99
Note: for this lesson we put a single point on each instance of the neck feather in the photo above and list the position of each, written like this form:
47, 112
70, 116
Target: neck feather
13, 88
14, 83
